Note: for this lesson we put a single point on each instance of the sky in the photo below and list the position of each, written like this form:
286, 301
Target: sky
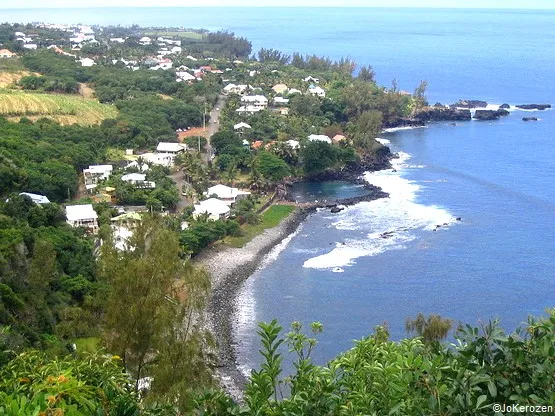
494, 4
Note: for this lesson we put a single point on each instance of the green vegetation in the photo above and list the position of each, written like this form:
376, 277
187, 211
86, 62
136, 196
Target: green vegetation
269, 219
64, 109
189, 35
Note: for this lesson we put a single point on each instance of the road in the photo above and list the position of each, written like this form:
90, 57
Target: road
213, 127
214, 124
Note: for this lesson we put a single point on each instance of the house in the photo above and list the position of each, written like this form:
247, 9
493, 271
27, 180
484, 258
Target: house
215, 209
338, 138
173, 148
191, 58
82, 216
4, 53
184, 76
139, 180
161, 159
294, 144
123, 226
226, 194
318, 91
95, 174
293, 91
257, 144
284, 111
117, 40
19, 34
249, 109
135, 165
87, 62
36, 198
234, 89
319, 138
241, 126
258, 101
145, 40
246, 143
281, 101
311, 79
31, 46
280, 88
176, 49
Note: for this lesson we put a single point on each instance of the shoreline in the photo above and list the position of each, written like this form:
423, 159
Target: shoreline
230, 267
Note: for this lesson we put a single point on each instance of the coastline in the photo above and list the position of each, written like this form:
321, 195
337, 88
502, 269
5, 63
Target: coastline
229, 268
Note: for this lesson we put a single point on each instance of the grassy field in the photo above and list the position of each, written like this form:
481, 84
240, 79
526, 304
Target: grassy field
65, 109
270, 219
91, 344
175, 34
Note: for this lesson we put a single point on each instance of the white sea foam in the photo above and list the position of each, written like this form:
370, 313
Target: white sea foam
277, 249
393, 221
383, 141
394, 129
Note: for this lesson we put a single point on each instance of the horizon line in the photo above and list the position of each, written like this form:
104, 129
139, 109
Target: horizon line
280, 7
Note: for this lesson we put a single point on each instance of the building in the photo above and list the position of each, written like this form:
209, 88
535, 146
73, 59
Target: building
293, 91
319, 138
280, 88
249, 109
338, 138
184, 76
31, 46
145, 40
173, 148
318, 91
87, 62
4, 53
311, 79
258, 101
226, 194
95, 174
138, 180
82, 216
216, 209
36, 198
281, 101
235, 89
241, 126
294, 144
161, 159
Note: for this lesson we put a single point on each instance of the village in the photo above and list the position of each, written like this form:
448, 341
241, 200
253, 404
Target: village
250, 94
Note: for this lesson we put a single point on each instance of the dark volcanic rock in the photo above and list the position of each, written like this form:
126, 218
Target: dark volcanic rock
404, 122
504, 106
489, 114
502, 112
470, 104
534, 106
443, 114
529, 119
336, 209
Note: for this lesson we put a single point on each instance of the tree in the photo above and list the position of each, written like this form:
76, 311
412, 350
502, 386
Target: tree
431, 329
152, 293
317, 156
420, 95
366, 74
272, 167
223, 139
366, 128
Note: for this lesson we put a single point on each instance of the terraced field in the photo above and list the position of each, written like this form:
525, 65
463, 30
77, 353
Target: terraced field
65, 109
9, 78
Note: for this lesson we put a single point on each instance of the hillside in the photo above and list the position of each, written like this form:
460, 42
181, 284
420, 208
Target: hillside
65, 109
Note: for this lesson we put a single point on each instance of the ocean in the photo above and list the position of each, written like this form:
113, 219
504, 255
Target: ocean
382, 261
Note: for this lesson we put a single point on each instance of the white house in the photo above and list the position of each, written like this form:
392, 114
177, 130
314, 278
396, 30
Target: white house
235, 89
19, 34
191, 58
293, 91
319, 138
176, 49
145, 40
311, 79
87, 62
95, 174
184, 76
215, 209
173, 148
82, 216
32, 46
139, 180
255, 100
135, 165
36, 198
117, 40
318, 91
281, 101
249, 109
161, 159
294, 144
241, 125
226, 194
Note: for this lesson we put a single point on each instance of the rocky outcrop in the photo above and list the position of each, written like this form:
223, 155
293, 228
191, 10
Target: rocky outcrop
486, 115
404, 122
470, 104
534, 106
504, 106
443, 114
529, 119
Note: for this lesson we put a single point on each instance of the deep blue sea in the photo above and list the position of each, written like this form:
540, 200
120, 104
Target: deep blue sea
498, 177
